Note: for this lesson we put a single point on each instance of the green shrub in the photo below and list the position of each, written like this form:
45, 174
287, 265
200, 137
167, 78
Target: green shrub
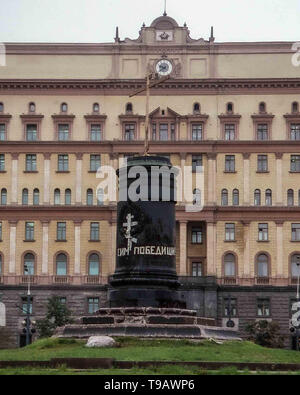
265, 333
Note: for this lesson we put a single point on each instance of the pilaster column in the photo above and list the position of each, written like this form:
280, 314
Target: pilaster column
246, 179
77, 232
183, 249
279, 248
246, 249
78, 197
45, 251
12, 246
183, 181
47, 158
211, 182
279, 191
211, 249
14, 178
112, 263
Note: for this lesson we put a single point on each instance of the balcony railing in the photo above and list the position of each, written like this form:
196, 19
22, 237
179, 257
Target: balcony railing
229, 281
27, 279
62, 279
262, 280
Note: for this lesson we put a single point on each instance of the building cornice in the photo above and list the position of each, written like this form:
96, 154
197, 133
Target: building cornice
112, 87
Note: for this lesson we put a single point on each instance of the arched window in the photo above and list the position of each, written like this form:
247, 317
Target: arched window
290, 197
129, 108
1, 107
64, 107
257, 197
262, 265
235, 197
96, 107
196, 108
3, 197
68, 196
295, 107
29, 264
36, 197
89, 197
57, 196
262, 107
94, 265
295, 265
31, 107
224, 197
197, 197
100, 197
229, 108
268, 197
25, 197
61, 265
1, 265
229, 265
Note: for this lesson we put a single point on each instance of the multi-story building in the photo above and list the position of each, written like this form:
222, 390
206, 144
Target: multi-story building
231, 107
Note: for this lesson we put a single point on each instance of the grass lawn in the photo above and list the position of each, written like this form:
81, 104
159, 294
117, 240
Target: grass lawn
131, 349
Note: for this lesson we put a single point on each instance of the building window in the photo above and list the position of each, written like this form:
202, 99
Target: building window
196, 108
36, 197
0, 239
57, 196
63, 300
94, 231
1, 268
235, 197
229, 232
3, 197
230, 163
197, 236
61, 265
25, 305
89, 197
1, 107
262, 265
290, 197
197, 132
94, 265
295, 232
154, 131
229, 130
295, 163
197, 162
96, 107
64, 107
295, 131
196, 197
262, 163
229, 265
129, 133
95, 162
25, 197
61, 231
100, 197
262, 131
2, 132
262, 107
96, 133
29, 231
224, 199
30, 164
63, 162
230, 307
63, 132
295, 265
268, 197
163, 132
93, 305
197, 269
68, 197
173, 133
257, 197
31, 107
31, 132
263, 307
2, 162
263, 232
295, 107
129, 108
29, 264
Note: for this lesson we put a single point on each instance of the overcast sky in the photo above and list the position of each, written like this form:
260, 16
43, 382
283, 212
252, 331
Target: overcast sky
95, 20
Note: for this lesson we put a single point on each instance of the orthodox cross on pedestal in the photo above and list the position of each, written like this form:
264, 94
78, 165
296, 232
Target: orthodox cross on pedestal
155, 81
129, 225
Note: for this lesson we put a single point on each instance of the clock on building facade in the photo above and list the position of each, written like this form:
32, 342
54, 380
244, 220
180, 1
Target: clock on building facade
164, 67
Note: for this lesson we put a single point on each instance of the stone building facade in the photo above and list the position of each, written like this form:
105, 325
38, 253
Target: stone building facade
232, 108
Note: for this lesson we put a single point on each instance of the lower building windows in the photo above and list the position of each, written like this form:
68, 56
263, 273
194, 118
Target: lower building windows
93, 305
229, 232
94, 231
29, 231
295, 232
263, 307
2, 162
230, 307
61, 265
196, 236
263, 232
63, 300
61, 231
25, 306
197, 269
29, 265
229, 265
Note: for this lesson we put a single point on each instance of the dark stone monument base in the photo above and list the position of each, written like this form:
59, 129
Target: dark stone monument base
146, 322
